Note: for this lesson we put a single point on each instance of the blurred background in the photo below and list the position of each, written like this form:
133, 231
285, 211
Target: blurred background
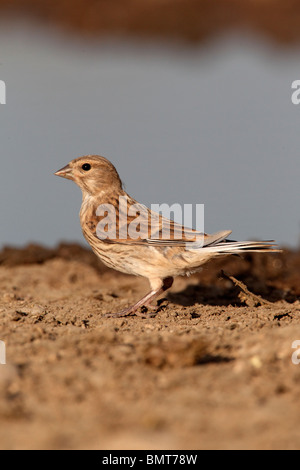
190, 99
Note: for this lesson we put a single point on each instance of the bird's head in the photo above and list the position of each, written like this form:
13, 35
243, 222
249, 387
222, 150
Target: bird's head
92, 173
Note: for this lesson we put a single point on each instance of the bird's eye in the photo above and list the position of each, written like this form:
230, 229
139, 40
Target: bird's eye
86, 167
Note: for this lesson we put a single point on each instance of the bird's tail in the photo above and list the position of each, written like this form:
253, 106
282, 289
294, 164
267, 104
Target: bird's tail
234, 247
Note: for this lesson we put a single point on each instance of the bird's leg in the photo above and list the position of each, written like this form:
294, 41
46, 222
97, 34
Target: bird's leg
166, 284
146, 300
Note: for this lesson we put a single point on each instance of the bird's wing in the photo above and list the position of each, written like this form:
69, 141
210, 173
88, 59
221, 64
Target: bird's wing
135, 224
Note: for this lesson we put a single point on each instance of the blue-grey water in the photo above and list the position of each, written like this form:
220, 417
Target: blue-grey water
213, 124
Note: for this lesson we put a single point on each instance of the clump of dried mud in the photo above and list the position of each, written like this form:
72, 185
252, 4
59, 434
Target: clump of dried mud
213, 368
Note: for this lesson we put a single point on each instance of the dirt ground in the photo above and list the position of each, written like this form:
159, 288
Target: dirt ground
183, 20
213, 369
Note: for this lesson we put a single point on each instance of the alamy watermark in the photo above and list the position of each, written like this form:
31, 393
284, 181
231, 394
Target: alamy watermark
296, 354
296, 93
2, 353
134, 222
2, 92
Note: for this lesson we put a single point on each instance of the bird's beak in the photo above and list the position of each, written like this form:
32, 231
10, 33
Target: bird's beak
65, 172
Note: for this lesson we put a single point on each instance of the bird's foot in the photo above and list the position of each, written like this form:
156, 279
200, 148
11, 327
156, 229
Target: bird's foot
143, 307
143, 311
124, 313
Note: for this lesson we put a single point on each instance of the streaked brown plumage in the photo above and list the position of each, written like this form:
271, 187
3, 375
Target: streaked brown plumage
150, 256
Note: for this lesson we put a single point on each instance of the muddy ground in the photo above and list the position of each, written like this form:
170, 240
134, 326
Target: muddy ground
213, 369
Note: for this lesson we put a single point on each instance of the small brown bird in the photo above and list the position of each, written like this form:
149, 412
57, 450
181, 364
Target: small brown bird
141, 242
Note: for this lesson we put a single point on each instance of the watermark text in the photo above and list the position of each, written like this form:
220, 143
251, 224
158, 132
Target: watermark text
2, 353
296, 354
296, 93
2, 92
125, 221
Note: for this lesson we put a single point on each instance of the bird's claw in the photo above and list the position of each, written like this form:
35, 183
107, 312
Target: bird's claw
143, 312
123, 313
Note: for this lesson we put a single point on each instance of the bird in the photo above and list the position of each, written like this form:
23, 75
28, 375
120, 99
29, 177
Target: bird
142, 242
